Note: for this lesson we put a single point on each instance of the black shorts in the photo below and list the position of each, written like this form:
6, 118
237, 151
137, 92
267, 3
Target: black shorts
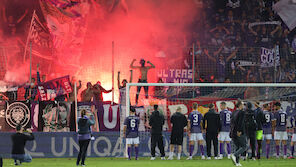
177, 139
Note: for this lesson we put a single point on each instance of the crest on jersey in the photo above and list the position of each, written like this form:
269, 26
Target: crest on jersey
17, 113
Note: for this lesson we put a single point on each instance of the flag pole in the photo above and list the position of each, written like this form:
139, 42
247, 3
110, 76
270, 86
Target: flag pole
30, 69
29, 34
112, 72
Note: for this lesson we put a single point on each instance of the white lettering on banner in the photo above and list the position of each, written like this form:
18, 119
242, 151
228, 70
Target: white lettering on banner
112, 124
173, 108
175, 75
178, 73
33, 149
53, 149
72, 144
107, 150
117, 148
268, 58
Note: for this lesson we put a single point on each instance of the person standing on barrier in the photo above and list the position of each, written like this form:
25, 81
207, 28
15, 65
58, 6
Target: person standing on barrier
84, 135
237, 133
19, 140
156, 121
212, 125
131, 132
251, 128
143, 76
179, 121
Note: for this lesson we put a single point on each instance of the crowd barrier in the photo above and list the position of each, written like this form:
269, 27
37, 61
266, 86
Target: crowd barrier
106, 144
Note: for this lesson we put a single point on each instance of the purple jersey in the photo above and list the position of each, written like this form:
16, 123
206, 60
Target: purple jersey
267, 125
195, 119
225, 117
281, 120
132, 126
293, 123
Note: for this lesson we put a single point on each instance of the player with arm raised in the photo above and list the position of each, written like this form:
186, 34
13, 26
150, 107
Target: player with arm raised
131, 132
194, 129
267, 127
225, 118
280, 134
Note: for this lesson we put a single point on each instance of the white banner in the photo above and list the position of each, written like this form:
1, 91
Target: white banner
269, 58
286, 10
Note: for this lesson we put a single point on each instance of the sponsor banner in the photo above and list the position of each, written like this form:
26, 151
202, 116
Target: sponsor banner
108, 116
53, 88
91, 109
106, 144
269, 58
54, 116
13, 113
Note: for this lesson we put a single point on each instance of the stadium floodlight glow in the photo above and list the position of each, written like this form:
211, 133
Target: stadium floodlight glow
233, 85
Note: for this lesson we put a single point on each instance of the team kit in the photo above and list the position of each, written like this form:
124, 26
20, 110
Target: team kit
270, 125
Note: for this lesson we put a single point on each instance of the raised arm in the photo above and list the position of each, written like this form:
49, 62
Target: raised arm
132, 64
208, 55
23, 16
104, 90
233, 54
151, 65
131, 76
219, 50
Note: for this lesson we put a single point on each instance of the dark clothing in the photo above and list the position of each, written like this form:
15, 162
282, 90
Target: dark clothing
34, 92
83, 145
157, 140
211, 122
240, 146
177, 139
156, 121
1, 162
84, 124
237, 123
179, 121
252, 136
139, 90
259, 118
250, 120
212, 137
19, 141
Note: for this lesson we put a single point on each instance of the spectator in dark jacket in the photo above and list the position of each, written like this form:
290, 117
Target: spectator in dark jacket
260, 121
156, 121
19, 140
84, 135
238, 132
179, 121
212, 125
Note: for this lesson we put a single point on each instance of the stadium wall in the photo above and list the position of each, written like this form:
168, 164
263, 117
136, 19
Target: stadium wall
106, 144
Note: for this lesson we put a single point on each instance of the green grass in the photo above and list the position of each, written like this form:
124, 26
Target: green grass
143, 162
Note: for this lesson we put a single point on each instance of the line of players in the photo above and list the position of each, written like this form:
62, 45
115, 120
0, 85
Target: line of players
272, 124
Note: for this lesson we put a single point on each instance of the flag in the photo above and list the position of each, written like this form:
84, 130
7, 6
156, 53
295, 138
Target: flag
53, 88
286, 10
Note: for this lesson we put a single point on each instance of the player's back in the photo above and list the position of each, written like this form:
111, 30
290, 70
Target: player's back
225, 118
132, 126
267, 125
195, 118
281, 120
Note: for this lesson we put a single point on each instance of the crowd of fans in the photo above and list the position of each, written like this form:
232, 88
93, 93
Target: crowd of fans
234, 31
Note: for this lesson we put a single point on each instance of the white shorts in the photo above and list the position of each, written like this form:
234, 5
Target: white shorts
224, 136
278, 135
267, 137
133, 140
196, 137
293, 137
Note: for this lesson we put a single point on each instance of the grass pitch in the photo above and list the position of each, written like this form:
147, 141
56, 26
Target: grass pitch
143, 162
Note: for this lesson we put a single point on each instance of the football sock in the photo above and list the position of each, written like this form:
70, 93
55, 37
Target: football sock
277, 150
201, 149
292, 150
267, 150
221, 148
137, 152
259, 142
179, 155
190, 150
285, 149
129, 152
228, 148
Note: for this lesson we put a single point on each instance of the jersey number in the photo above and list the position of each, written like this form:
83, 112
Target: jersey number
195, 118
228, 117
133, 123
267, 118
283, 119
